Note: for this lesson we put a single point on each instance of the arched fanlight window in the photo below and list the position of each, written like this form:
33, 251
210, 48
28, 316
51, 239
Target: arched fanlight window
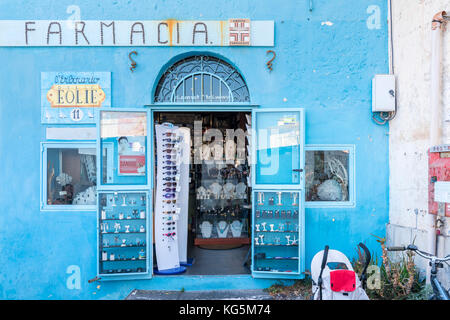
201, 79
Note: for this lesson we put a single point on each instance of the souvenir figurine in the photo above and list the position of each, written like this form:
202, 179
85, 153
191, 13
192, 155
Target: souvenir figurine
271, 227
279, 198
104, 227
263, 225
127, 229
260, 198
124, 243
142, 229
116, 227
256, 241
288, 240
104, 256
142, 214
121, 216
141, 254
114, 200
271, 201
295, 196
112, 257
124, 204
143, 200
287, 225
257, 227
261, 237
103, 214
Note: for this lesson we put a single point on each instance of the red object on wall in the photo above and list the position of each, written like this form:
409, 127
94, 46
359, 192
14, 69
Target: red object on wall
438, 170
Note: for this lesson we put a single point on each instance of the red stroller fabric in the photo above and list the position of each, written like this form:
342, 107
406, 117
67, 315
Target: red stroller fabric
343, 280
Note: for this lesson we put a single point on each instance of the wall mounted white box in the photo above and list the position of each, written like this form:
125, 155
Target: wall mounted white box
383, 93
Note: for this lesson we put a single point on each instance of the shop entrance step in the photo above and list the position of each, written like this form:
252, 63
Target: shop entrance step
199, 295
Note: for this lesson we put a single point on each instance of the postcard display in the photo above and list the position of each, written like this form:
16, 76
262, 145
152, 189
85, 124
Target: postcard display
277, 234
171, 199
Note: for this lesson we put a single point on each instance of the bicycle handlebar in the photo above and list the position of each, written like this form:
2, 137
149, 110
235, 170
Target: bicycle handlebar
420, 253
396, 248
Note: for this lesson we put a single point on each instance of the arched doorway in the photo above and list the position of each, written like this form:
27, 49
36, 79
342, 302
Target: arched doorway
219, 211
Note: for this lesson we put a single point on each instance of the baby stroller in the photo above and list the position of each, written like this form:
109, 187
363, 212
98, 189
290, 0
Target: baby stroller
334, 278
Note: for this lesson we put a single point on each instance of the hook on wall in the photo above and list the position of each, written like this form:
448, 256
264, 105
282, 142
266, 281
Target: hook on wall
269, 63
310, 5
133, 63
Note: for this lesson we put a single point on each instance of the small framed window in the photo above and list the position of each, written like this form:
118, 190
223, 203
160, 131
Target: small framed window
329, 175
69, 174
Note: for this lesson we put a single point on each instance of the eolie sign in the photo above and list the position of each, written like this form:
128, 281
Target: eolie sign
72, 97
232, 32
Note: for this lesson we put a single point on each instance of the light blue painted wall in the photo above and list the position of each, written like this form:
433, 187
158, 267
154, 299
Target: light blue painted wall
327, 69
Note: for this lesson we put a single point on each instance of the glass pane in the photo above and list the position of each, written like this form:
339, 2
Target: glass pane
225, 93
216, 89
71, 176
188, 89
123, 233
179, 94
276, 233
197, 87
123, 143
278, 148
327, 175
207, 94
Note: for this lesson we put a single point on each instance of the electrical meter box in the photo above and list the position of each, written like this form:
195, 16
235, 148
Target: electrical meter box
439, 179
383, 93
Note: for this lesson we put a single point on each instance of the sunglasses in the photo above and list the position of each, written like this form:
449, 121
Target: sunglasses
169, 189
170, 201
169, 195
170, 179
169, 234
170, 223
170, 173
170, 184
169, 229
170, 134
170, 167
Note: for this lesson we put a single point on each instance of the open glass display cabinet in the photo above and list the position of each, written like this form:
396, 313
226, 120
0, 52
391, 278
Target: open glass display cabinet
123, 237
278, 234
124, 220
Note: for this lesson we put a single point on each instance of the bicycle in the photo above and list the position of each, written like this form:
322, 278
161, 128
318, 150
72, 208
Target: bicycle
439, 293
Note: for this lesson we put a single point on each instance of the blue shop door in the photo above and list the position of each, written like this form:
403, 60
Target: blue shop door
277, 158
124, 195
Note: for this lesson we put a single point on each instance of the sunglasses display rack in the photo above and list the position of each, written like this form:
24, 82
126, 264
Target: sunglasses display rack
277, 232
167, 198
123, 246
